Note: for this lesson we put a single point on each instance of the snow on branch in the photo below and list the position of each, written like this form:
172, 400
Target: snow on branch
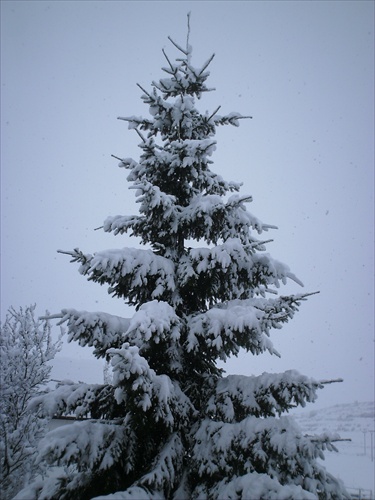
236, 324
213, 114
193, 149
261, 486
185, 78
137, 384
206, 64
227, 270
152, 196
77, 255
87, 444
327, 439
120, 224
154, 320
237, 396
81, 400
95, 329
127, 271
173, 69
165, 470
135, 121
133, 493
126, 162
208, 216
185, 52
230, 119
275, 270
145, 91
272, 446
223, 331
334, 381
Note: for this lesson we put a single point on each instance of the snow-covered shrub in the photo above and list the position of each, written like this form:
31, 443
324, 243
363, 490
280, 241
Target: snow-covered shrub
26, 349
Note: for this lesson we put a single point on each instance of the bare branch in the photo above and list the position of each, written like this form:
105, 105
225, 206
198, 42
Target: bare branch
72, 254
143, 90
334, 381
140, 135
76, 254
169, 62
260, 243
51, 316
188, 32
177, 46
207, 64
214, 113
316, 439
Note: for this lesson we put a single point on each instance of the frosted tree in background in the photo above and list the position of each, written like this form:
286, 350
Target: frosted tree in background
170, 424
26, 349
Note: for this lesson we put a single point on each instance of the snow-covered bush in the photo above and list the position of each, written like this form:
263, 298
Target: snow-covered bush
171, 424
26, 349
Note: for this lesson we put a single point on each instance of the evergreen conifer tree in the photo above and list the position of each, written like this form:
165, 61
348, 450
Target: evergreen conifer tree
170, 424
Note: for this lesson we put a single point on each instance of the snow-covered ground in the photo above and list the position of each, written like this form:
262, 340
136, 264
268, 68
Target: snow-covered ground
355, 461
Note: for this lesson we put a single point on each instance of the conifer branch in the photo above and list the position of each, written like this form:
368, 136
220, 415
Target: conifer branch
140, 135
76, 254
213, 114
192, 70
143, 90
67, 252
169, 62
333, 381
236, 202
116, 157
266, 227
177, 46
51, 316
162, 87
206, 65
230, 119
188, 32
258, 244
315, 439
304, 295
203, 150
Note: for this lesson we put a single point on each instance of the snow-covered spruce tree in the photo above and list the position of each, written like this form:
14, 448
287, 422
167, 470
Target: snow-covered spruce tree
171, 425
26, 348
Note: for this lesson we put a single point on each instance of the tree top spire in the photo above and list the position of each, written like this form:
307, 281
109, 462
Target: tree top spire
188, 48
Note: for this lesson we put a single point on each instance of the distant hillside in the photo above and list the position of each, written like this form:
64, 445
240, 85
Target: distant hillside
354, 462
346, 418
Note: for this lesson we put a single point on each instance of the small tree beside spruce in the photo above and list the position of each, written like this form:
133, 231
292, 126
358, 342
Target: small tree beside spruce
26, 350
171, 424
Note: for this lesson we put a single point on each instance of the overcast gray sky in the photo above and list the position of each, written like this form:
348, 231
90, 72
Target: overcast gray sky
304, 71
